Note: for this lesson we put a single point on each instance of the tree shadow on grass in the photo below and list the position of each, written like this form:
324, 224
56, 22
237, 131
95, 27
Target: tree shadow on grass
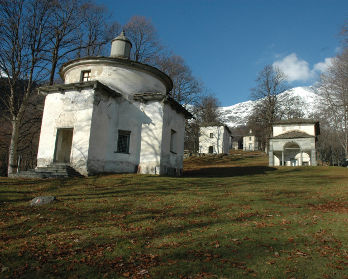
227, 171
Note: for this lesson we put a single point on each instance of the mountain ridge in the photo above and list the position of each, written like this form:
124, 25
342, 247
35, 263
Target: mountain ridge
307, 100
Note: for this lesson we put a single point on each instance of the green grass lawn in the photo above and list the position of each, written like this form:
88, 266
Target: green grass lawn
227, 217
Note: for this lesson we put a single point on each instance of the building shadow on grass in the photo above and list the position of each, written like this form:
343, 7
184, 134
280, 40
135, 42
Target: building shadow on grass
227, 171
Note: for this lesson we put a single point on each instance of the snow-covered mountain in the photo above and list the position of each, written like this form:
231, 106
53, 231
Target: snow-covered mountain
305, 98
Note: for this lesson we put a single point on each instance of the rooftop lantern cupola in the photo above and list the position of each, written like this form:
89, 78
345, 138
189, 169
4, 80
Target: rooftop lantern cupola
121, 47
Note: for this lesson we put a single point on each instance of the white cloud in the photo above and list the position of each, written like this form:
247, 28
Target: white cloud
299, 70
322, 66
294, 68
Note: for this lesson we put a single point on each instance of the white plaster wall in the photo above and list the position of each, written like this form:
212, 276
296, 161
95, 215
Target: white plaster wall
250, 140
217, 141
109, 116
303, 143
121, 78
70, 110
276, 160
172, 162
151, 137
306, 128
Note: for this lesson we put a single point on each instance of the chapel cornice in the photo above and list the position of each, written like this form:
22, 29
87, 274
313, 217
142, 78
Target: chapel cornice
114, 61
78, 86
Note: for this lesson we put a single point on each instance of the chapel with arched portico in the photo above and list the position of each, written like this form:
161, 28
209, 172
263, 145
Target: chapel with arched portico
293, 143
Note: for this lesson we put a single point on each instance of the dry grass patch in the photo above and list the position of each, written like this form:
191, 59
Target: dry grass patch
228, 217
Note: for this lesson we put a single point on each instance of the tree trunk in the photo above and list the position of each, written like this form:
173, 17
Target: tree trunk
53, 71
12, 157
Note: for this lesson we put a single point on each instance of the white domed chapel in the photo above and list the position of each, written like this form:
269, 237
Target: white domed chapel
112, 115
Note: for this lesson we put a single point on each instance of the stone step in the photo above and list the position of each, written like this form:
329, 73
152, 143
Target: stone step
54, 171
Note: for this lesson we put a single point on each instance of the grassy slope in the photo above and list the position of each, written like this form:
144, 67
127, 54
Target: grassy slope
228, 217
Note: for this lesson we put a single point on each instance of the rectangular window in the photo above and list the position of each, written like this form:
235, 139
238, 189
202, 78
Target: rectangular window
123, 141
172, 141
211, 135
85, 76
249, 138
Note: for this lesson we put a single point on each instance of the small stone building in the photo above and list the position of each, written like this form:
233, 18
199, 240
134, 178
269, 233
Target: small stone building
112, 115
250, 142
235, 145
294, 143
215, 139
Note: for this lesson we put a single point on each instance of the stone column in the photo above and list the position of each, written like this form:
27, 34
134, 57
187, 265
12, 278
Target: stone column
282, 157
271, 158
313, 158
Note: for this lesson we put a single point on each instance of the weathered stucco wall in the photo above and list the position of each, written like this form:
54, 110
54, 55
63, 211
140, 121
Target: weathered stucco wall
250, 143
143, 121
73, 109
151, 137
125, 80
217, 141
172, 160
283, 128
103, 156
303, 143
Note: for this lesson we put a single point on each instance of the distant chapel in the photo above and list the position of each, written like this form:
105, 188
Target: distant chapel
215, 139
112, 115
294, 143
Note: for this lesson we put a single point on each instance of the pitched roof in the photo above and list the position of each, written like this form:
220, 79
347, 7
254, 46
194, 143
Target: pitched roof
296, 121
293, 135
217, 125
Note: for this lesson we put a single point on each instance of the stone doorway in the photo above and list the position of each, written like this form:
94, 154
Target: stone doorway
63, 145
211, 150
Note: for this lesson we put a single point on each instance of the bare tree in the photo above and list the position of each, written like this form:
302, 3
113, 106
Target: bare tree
271, 81
290, 107
207, 110
64, 28
146, 46
191, 141
77, 28
23, 39
186, 88
329, 149
95, 30
344, 33
334, 90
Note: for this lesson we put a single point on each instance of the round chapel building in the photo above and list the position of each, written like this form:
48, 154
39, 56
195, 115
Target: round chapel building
112, 115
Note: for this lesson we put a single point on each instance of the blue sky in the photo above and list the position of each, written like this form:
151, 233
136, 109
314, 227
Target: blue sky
226, 43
